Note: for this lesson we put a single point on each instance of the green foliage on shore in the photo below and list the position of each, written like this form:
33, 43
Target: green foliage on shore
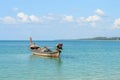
102, 38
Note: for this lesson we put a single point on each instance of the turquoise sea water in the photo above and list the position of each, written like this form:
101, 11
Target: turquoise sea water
80, 60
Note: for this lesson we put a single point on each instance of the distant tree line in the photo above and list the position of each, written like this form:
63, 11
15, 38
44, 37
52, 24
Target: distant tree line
103, 38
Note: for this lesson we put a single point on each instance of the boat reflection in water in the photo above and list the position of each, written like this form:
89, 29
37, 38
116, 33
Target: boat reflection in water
43, 64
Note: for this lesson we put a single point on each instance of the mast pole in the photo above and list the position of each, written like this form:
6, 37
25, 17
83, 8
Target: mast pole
30, 40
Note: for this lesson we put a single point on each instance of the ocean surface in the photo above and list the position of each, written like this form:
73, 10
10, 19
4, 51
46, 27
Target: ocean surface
79, 60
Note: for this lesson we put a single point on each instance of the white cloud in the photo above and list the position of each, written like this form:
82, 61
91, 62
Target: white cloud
100, 12
34, 18
67, 19
8, 20
117, 23
81, 19
23, 17
93, 18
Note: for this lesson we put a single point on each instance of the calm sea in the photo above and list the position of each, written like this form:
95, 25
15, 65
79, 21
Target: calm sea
79, 60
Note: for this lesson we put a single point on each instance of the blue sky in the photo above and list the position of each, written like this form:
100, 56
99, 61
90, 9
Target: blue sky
59, 19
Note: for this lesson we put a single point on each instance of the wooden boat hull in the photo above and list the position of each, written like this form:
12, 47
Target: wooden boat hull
46, 54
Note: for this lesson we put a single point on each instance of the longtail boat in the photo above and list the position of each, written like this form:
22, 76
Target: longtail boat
36, 50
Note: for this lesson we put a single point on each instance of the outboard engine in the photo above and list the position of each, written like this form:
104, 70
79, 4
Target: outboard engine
59, 47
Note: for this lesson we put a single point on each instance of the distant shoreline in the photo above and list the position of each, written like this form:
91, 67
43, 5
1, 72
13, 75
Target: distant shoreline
88, 39
102, 38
